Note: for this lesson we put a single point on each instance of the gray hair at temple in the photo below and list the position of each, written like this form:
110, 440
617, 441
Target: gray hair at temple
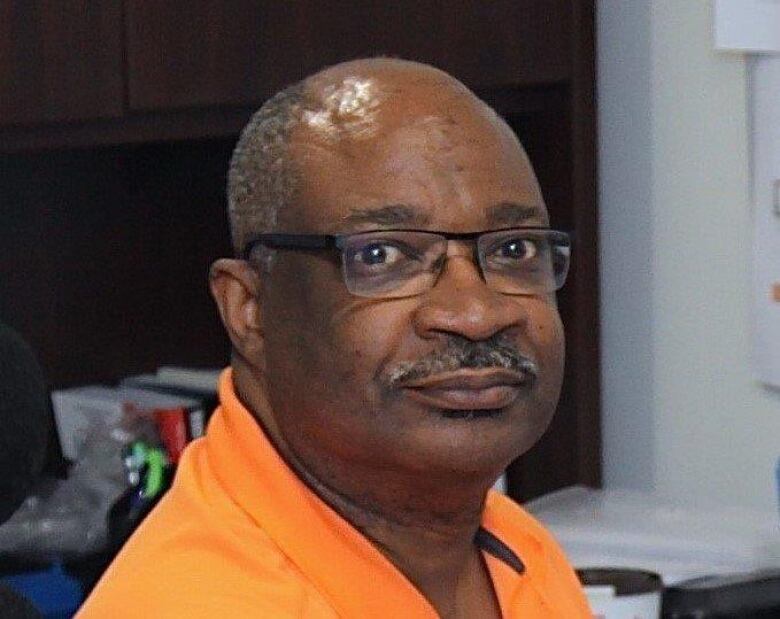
261, 178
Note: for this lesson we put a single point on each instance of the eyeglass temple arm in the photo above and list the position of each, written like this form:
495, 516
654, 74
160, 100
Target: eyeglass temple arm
291, 241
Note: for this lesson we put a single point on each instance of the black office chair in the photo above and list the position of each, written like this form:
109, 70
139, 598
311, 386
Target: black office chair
25, 437
25, 415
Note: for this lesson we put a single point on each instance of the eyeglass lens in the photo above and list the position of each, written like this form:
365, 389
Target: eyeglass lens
398, 264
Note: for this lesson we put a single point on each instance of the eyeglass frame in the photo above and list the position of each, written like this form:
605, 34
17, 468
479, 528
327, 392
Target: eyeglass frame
303, 241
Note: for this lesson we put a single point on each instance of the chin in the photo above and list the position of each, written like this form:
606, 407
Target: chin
473, 442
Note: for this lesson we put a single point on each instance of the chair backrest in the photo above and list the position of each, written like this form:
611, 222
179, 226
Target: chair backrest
25, 420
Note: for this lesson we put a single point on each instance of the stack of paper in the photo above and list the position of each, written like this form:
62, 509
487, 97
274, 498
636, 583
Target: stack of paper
603, 528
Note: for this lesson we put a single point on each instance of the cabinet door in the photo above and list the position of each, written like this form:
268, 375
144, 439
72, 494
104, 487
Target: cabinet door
223, 52
60, 60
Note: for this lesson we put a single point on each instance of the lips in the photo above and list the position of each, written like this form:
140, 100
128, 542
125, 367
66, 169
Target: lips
482, 389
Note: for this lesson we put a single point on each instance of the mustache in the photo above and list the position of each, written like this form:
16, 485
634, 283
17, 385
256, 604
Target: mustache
497, 351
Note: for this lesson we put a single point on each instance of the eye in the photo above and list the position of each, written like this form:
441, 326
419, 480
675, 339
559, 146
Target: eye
378, 254
517, 253
517, 249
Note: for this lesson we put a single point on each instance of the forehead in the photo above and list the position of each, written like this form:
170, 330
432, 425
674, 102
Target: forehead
430, 158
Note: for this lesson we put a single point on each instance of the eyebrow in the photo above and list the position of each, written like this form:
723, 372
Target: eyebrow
512, 213
390, 215
501, 214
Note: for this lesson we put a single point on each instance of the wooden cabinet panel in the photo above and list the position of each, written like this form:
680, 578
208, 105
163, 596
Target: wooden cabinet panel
60, 60
104, 257
233, 52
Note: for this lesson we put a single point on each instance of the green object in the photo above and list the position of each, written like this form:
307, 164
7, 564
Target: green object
156, 461
146, 467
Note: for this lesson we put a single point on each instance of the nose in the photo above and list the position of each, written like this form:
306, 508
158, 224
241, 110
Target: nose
462, 304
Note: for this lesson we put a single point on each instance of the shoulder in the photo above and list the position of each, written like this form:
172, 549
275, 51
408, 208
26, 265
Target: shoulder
198, 555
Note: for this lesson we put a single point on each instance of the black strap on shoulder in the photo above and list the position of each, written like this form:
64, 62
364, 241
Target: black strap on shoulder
488, 542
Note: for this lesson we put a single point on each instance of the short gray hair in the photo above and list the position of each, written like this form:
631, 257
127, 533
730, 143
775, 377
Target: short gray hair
261, 177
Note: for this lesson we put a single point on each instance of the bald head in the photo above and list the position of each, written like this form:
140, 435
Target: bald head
349, 102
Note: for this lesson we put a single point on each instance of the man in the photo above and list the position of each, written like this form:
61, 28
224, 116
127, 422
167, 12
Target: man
396, 344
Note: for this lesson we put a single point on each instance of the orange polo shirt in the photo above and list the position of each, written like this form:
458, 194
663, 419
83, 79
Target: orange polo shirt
239, 535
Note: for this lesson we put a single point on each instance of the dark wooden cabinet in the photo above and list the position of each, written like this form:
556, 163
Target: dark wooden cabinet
203, 52
75, 60
117, 119
60, 60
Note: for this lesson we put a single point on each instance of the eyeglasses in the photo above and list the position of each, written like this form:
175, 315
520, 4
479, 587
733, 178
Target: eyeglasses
405, 263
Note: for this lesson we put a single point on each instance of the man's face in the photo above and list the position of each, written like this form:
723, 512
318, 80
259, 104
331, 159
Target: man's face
331, 357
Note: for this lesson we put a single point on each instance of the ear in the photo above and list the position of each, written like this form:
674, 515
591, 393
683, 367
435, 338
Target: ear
236, 288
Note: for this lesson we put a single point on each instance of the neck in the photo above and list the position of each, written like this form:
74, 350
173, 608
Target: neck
425, 525
431, 544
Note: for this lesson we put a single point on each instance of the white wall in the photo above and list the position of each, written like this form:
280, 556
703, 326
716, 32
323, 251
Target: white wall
682, 412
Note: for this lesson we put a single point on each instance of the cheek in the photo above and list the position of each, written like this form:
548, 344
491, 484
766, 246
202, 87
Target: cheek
331, 341
295, 322
365, 335
546, 334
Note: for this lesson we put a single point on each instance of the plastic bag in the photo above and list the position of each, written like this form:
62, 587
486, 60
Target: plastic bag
65, 518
